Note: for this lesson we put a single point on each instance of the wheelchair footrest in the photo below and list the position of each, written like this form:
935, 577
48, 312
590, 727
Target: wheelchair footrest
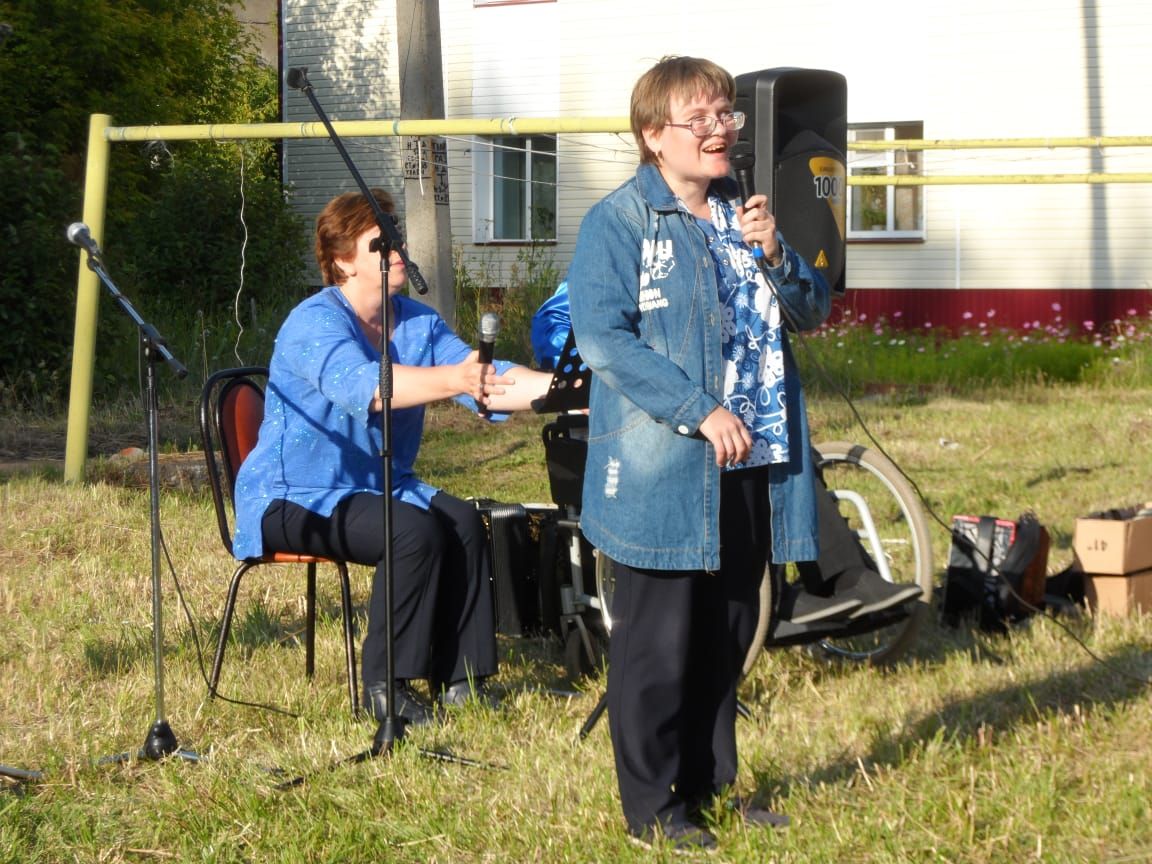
784, 633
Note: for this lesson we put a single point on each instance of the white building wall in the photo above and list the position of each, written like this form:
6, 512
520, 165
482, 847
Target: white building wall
982, 69
349, 49
985, 69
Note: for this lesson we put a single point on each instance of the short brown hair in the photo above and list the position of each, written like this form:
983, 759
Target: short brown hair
686, 77
340, 225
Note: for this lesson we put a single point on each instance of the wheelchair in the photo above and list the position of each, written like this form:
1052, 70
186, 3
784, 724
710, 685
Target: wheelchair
873, 496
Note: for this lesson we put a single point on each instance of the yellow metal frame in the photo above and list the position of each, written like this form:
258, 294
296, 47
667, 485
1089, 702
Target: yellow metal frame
101, 135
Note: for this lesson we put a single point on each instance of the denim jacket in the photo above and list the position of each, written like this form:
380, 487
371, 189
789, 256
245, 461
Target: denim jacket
646, 313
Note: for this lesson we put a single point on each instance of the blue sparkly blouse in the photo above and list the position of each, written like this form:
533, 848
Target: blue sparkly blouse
318, 442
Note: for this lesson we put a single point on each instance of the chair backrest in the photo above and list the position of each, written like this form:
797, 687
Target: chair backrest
231, 410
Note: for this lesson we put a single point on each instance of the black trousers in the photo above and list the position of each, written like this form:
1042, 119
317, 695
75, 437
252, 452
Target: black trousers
676, 651
443, 618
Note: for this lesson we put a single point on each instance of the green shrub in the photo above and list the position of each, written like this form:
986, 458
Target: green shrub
37, 281
858, 356
530, 280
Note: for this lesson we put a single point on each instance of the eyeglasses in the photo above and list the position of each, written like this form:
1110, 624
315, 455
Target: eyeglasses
703, 126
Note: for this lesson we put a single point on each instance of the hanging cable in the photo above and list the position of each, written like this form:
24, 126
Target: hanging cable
243, 263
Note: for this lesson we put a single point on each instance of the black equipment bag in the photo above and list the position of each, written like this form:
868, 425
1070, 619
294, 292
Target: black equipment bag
997, 568
522, 541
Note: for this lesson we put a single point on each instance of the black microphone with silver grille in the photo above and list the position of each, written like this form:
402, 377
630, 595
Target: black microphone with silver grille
489, 330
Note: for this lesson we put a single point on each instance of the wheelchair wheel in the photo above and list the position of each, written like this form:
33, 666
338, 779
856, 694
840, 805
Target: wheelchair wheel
901, 530
763, 621
585, 659
605, 587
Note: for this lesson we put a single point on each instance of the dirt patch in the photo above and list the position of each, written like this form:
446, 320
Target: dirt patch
32, 443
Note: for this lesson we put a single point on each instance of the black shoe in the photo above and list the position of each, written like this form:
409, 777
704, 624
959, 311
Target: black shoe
802, 607
411, 707
755, 816
460, 693
874, 592
682, 838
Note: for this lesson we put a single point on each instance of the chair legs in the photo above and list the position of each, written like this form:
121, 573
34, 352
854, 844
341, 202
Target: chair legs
310, 622
226, 626
349, 638
309, 628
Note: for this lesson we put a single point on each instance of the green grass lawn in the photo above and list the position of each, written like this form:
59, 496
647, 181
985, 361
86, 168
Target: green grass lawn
975, 749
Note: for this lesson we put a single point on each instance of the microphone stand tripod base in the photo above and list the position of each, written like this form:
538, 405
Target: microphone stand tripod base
390, 731
158, 744
19, 775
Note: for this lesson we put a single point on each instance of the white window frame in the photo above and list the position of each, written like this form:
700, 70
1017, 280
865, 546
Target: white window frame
889, 163
486, 192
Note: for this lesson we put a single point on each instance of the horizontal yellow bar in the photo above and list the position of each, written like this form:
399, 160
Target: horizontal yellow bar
558, 125
370, 128
1003, 143
990, 179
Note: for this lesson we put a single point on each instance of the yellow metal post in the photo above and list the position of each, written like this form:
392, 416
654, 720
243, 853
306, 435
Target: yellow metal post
87, 302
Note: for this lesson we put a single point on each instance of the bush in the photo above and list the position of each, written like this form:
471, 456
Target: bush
37, 281
181, 61
531, 280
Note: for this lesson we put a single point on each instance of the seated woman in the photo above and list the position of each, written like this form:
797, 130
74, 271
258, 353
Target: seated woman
313, 483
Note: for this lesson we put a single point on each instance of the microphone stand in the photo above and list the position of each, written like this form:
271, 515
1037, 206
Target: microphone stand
19, 775
390, 731
160, 740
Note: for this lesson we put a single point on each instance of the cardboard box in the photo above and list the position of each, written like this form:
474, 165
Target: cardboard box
1119, 595
1113, 547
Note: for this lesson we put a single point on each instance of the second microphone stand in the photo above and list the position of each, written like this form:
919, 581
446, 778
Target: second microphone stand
390, 730
160, 740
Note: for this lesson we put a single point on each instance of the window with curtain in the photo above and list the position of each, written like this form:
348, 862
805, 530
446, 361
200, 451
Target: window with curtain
516, 189
885, 212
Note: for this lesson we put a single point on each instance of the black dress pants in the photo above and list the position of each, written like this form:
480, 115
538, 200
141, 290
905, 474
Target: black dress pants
443, 618
675, 655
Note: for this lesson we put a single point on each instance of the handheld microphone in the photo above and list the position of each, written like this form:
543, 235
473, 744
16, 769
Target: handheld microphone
489, 330
742, 158
79, 235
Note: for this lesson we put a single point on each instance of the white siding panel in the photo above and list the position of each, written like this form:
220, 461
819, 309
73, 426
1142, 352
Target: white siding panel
349, 48
981, 69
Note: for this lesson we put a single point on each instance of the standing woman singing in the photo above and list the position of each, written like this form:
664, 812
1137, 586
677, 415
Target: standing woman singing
698, 469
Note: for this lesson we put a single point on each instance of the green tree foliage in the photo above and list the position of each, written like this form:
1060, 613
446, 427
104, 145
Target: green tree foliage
173, 232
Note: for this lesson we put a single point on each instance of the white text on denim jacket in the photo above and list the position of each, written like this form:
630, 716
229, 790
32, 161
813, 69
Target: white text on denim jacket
658, 262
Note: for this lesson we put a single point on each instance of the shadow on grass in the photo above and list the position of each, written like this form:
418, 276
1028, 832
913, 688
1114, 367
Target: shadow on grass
118, 655
1123, 677
255, 626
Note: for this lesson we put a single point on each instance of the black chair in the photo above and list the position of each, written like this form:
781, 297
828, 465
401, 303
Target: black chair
231, 410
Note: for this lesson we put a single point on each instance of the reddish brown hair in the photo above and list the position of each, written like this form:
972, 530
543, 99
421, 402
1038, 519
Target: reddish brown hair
340, 225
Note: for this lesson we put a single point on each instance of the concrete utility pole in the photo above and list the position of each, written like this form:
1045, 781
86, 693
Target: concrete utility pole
428, 228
